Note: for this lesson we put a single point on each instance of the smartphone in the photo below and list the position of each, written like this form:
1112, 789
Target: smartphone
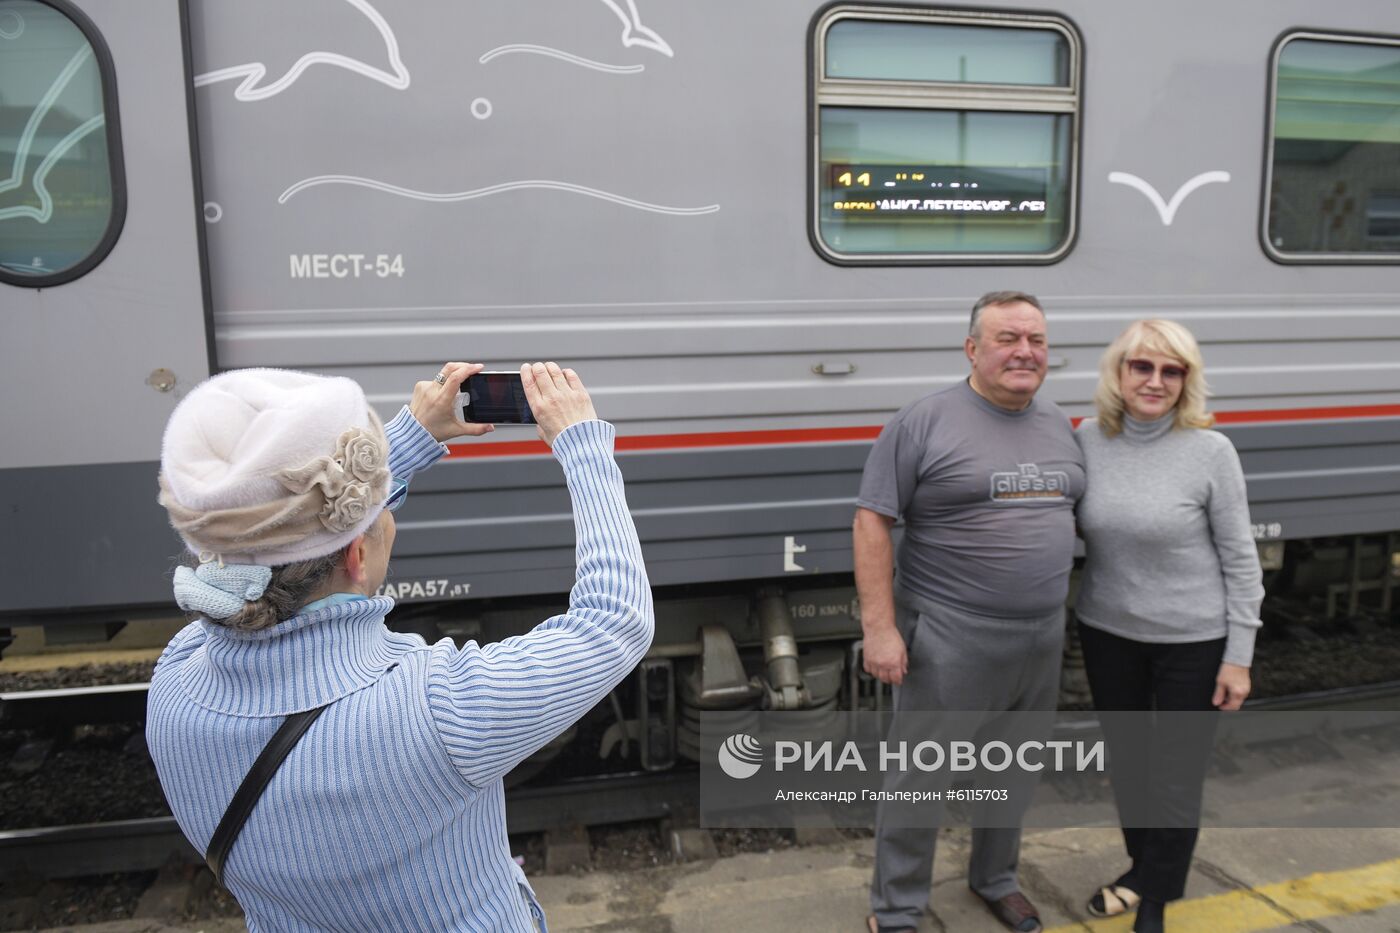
495, 398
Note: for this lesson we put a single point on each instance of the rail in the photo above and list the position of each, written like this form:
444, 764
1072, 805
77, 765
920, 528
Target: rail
150, 844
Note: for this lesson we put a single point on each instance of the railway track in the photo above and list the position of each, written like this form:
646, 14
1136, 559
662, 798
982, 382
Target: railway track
33, 709
570, 823
1383, 696
557, 810
30, 709
150, 844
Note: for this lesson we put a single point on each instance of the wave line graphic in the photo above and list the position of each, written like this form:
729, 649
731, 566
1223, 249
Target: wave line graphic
449, 197
562, 56
254, 72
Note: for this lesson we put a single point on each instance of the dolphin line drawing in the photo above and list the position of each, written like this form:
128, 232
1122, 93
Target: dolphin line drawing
44, 211
634, 33
253, 73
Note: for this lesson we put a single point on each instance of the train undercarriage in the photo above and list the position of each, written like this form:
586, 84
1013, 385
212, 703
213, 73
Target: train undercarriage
796, 645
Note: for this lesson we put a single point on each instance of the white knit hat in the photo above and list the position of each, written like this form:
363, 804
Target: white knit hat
272, 466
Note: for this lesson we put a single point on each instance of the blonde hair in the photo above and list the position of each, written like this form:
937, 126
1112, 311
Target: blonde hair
1153, 336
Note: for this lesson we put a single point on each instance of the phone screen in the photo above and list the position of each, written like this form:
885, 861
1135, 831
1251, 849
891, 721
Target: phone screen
496, 398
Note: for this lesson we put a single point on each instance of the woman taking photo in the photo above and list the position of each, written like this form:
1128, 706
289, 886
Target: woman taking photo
342, 776
1169, 603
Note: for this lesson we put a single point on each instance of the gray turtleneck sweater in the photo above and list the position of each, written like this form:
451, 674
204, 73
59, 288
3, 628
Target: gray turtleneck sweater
1165, 523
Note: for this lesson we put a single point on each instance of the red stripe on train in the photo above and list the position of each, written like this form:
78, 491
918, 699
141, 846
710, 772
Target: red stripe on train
681, 441
1308, 414
867, 433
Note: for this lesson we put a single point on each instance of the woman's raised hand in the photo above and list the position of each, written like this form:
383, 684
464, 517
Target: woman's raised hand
434, 403
557, 398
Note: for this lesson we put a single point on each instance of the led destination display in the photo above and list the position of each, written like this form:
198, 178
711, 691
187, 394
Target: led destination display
893, 191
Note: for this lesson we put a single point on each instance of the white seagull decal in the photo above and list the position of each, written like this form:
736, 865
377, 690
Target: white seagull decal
1167, 210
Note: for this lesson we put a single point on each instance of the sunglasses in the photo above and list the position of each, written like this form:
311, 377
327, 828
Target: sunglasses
1145, 368
398, 492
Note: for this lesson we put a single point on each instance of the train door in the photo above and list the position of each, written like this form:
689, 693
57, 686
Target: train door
103, 310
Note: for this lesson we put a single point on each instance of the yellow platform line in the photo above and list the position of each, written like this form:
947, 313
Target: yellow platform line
1313, 897
32, 663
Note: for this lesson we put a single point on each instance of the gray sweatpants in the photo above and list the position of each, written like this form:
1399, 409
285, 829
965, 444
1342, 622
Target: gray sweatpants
961, 662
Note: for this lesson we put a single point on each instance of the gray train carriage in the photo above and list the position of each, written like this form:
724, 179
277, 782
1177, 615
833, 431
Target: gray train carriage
755, 228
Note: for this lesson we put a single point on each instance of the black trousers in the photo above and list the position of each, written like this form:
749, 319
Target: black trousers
1157, 765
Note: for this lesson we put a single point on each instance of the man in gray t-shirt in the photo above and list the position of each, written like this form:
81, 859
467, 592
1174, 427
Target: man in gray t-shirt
985, 477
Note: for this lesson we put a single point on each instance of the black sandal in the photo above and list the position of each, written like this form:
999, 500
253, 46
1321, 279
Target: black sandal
1112, 900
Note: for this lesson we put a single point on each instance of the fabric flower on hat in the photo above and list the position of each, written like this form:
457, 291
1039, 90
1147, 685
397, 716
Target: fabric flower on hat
344, 479
361, 454
347, 509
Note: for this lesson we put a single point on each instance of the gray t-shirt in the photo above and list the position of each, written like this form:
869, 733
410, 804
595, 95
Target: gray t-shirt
987, 497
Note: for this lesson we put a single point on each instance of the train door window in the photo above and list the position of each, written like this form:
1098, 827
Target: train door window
943, 136
61, 199
1333, 179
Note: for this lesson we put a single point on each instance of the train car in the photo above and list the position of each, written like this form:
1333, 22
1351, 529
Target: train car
756, 229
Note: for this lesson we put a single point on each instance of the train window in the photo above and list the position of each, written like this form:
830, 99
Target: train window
1334, 164
943, 136
61, 199
912, 51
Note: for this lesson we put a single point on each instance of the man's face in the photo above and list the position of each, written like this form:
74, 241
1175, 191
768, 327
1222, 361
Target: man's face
1008, 354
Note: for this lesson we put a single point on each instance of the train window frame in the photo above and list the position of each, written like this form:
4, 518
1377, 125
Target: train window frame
1292, 258
823, 91
116, 219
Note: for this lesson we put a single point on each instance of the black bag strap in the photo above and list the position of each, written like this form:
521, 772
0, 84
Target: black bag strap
246, 797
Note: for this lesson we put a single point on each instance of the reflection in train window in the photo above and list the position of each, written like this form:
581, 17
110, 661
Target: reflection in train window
943, 136
60, 172
1383, 217
1334, 171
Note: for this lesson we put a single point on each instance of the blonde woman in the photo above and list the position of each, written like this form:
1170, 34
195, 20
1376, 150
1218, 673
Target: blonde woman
1169, 602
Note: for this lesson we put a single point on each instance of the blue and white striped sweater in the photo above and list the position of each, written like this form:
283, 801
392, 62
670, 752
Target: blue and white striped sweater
390, 812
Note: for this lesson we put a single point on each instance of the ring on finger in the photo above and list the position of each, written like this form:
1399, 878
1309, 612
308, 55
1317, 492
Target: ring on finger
440, 379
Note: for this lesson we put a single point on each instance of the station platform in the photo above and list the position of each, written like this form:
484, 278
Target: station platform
1243, 881
1324, 881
